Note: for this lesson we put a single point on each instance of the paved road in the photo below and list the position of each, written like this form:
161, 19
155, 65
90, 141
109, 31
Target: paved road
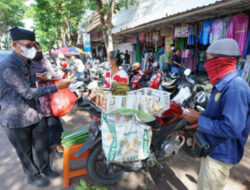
181, 172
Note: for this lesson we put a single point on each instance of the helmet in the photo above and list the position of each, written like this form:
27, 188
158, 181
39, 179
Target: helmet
173, 75
155, 65
64, 65
227, 47
60, 56
136, 65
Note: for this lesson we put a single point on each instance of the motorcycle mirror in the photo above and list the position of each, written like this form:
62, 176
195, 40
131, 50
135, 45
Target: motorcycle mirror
187, 72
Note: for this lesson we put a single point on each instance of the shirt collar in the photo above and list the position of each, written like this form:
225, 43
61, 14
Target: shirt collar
226, 79
19, 59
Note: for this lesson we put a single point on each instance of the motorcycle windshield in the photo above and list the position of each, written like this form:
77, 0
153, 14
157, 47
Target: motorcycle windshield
183, 95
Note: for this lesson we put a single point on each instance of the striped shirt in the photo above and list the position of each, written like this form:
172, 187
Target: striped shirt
121, 76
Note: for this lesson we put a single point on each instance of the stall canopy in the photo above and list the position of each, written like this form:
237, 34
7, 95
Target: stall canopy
65, 50
76, 50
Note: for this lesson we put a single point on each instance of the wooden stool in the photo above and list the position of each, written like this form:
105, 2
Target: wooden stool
67, 174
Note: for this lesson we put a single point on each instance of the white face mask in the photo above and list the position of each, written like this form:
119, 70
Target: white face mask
29, 53
107, 66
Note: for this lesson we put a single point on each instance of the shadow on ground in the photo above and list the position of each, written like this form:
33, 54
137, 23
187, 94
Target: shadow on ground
180, 172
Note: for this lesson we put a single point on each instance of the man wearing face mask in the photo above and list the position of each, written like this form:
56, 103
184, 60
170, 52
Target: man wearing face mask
20, 114
226, 120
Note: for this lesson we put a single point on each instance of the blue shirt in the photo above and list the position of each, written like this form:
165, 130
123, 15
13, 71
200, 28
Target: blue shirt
227, 117
19, 105
205, 32
177, 59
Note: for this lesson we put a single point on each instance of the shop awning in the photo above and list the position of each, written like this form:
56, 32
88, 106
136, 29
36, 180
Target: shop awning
159, 15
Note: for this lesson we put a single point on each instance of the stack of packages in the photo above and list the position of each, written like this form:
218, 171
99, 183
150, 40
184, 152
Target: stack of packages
117, 89
120, 89
75, 136
100, 98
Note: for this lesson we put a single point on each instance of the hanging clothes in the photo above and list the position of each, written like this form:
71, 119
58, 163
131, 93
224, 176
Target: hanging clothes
141, 37
187, 58
201, 63
184, 30
238, 30
225, 25
169, 56
192, 35
216, 31
247, 46
138, 52
246, 70
168, 42
177, 32
205, 32
181, 43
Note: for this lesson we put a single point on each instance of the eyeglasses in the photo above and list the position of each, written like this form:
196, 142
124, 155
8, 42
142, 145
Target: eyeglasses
28, 46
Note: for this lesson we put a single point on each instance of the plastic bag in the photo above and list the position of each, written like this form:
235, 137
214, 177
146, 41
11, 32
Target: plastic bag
62, 102
124, 138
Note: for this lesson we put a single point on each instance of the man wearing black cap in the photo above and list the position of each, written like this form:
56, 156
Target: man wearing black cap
20, 110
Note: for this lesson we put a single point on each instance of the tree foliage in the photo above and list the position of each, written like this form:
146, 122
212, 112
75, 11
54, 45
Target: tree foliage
11, 15
106, 9
56, 22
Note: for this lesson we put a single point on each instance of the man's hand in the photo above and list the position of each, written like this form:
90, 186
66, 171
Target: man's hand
42, 77
62, 84
192, 116
70, 76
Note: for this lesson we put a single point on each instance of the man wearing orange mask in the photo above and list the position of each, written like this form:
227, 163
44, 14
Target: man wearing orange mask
227, 117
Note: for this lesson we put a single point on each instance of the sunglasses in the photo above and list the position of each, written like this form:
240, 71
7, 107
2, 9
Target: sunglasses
28, 46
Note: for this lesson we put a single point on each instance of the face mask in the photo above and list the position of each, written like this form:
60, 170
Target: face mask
107, 65
29, 53
39, 56
219, 67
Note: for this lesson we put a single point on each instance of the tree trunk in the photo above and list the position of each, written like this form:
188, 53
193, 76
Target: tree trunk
108, 40
107, 24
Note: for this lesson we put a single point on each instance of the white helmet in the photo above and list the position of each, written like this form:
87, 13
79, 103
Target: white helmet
60, 56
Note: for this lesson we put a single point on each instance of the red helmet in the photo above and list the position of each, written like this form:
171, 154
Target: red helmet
64, 65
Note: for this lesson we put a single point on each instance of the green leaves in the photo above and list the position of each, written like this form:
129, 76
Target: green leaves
83, 183
57, 21
85, 186
11, 15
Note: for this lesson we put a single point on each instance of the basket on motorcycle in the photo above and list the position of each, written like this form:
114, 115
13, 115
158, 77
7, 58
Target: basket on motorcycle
113, 102
151, 100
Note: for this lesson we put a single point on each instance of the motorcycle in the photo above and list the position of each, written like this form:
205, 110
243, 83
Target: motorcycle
190, 93
167, 140
155, 80
137, 79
